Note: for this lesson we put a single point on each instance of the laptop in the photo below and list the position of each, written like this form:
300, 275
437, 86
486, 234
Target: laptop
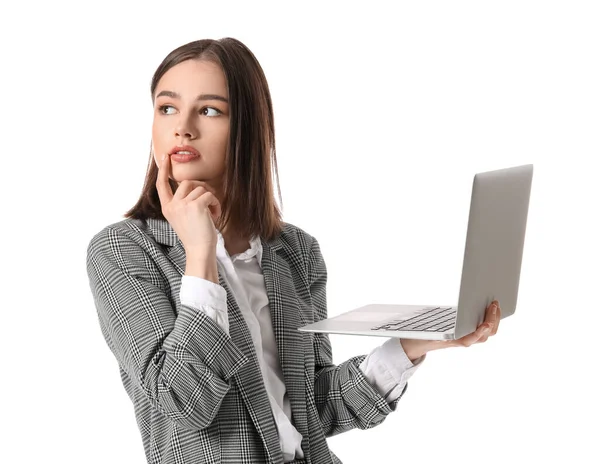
491, 269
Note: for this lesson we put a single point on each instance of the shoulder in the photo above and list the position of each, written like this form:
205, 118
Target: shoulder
303, 247
127, 227
127, 231
295, 238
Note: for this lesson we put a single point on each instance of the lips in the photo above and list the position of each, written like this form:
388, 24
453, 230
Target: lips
185, 150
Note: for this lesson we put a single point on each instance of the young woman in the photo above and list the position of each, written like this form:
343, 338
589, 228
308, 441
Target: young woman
201, 288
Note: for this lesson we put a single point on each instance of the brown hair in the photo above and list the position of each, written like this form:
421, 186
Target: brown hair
248, 205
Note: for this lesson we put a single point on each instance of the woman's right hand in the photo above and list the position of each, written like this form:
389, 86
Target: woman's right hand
192, 210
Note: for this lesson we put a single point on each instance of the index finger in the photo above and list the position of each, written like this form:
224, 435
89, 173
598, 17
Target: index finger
165, 193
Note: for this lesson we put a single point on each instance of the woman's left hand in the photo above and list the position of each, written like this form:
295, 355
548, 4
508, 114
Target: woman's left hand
414, 349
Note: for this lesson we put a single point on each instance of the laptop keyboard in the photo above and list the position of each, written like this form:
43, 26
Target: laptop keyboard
438, 319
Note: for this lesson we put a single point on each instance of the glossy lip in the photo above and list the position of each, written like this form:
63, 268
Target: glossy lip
184, 158
184, 148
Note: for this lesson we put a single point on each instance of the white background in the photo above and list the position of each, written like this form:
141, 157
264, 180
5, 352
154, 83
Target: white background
383, 115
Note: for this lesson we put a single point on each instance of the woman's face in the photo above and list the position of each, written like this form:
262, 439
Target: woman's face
191, 108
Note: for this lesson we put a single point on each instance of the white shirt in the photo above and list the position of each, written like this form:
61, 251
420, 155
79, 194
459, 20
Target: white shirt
387, 367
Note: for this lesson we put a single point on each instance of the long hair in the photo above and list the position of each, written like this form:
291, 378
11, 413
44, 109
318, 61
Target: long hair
248, 206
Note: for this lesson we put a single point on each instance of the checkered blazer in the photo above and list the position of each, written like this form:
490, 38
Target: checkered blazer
198, 393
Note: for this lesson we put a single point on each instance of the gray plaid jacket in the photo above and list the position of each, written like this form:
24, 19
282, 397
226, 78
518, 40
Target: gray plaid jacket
198, 393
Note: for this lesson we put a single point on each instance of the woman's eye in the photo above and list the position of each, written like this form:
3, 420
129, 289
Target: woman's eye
216, 111
162, 109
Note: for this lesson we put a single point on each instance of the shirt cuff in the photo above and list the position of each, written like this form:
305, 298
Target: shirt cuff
206, 296
388, 369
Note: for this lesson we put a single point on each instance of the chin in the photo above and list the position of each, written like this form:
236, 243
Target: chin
181, 178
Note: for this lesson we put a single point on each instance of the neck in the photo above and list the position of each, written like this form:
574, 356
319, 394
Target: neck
234, 243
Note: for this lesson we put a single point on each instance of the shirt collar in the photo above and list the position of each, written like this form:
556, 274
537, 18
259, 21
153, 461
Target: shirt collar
255, 250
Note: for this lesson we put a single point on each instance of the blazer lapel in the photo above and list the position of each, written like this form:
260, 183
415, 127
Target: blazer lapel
286, 318
250, 381
248, 378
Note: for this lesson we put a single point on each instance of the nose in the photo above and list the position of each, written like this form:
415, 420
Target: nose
185, 127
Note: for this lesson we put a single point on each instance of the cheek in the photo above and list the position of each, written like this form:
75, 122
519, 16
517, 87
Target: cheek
155, 132
157, 142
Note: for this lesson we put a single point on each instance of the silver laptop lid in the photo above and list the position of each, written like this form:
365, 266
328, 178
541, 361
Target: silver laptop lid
494, 244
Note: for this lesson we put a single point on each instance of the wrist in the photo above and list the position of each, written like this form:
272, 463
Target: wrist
204, 267
414, 349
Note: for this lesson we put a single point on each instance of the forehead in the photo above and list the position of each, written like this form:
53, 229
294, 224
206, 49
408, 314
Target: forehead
193, 77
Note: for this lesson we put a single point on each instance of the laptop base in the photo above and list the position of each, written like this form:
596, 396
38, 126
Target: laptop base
376, 320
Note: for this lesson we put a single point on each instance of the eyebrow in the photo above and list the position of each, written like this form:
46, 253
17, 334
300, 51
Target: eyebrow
204, 96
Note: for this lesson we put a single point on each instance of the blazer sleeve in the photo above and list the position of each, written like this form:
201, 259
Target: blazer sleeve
345, 399
182, 362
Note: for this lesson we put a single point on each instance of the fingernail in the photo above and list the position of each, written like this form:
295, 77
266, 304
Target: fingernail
494, 309
163, 157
